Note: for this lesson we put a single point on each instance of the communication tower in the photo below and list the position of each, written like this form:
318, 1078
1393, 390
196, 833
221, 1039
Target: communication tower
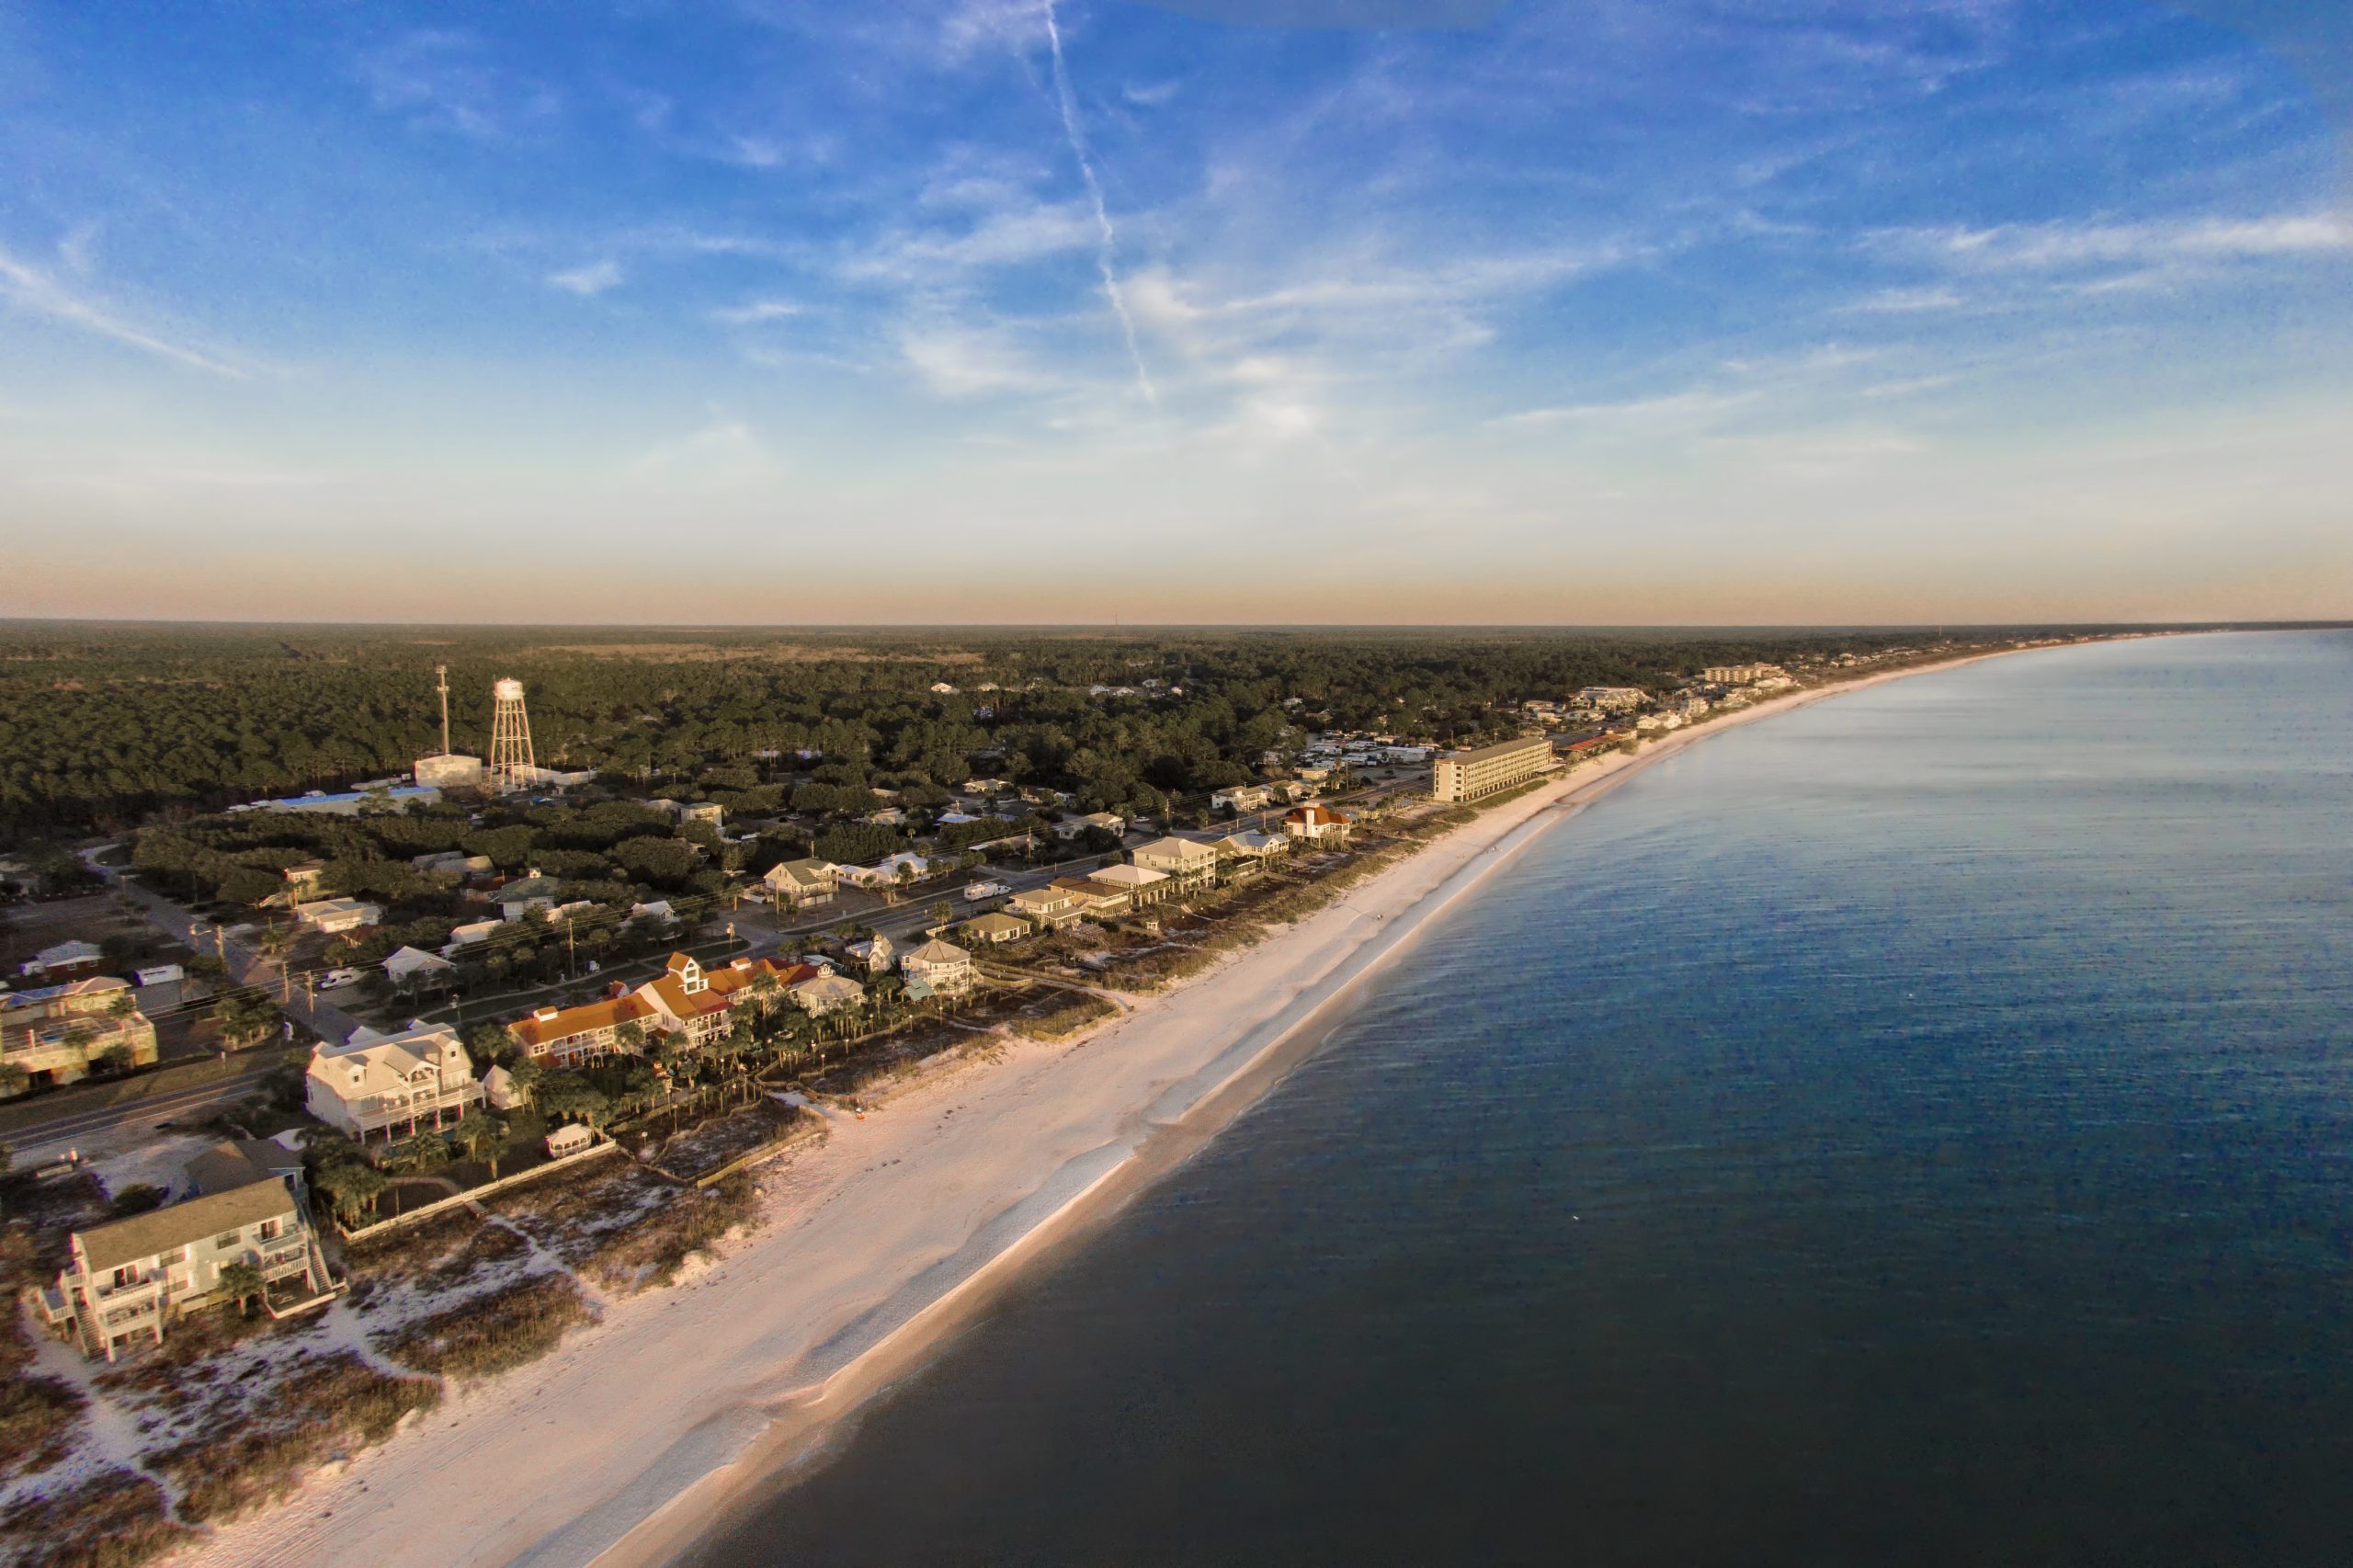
511, 767
445, 769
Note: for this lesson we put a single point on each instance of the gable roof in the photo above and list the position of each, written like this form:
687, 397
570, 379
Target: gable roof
239, 1162
800, 873
526, 889
743, 974
1184, 851
179, 1224
368, 1064
609, 1012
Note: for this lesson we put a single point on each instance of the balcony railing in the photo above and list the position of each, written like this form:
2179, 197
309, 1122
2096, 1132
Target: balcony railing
110, 1294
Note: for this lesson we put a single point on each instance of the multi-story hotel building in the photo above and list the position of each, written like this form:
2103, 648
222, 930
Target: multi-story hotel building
1472, 775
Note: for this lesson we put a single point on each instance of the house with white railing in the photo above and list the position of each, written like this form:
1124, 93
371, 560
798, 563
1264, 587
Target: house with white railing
128, 1279
393, 1084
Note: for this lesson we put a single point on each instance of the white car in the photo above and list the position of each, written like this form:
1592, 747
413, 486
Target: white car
978, 891
334, 978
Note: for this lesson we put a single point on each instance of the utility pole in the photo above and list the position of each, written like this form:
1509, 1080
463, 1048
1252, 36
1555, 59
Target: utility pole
570, 969
443, 671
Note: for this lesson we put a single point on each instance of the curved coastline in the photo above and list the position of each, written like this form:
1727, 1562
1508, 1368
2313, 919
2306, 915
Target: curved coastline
678, 1442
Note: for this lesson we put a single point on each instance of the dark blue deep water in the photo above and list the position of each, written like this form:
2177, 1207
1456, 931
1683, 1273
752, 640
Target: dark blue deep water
1918, 1128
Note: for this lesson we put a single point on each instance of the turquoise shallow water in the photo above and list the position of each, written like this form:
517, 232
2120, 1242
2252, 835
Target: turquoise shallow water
1915, 1129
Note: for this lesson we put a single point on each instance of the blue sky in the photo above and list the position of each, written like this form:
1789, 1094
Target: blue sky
987, 310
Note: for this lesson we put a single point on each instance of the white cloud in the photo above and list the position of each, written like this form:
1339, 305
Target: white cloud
1910, 301
1672, 411
971, 27
1007, 236
2051, 245
959, 361
753, 312
589, 280
38, 292
440, 81
725, 454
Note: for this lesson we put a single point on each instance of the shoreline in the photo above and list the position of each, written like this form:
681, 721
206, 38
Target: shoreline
637, 1439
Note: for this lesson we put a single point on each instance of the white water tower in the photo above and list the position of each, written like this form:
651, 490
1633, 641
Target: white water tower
511, 767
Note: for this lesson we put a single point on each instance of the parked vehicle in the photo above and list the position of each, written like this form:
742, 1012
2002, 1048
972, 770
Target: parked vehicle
333, 978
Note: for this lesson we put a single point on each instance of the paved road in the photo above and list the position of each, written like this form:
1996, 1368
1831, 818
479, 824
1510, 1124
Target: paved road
245, 964
54, 1135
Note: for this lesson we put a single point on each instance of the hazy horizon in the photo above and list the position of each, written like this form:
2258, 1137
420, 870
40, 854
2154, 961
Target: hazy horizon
1011, 312
1147, 629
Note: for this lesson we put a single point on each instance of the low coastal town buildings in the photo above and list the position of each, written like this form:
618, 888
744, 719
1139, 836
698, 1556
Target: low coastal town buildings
1246, 854
521, 896
1611, 699
470, 933
1142, 885
759, 984
1472, 775
1106, 821
827, 993
685, 1004
996, 930
1322, 825
334, 915
1186, 863
1242, 798
1738, 674
904, 866
873, 954
126, 1280
1048, 908
392, 1085
57, 1034
1097, 901
565, 1037
66, 961
411, 967
799, 884
939, 969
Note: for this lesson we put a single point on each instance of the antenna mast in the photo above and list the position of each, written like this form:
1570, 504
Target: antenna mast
443, 671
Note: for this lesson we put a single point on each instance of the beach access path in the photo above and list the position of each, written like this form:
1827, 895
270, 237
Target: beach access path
628, 1442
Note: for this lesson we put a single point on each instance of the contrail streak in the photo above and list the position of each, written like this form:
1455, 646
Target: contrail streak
1108, 252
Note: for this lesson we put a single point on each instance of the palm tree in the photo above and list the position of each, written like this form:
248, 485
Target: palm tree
469, 1133
243, 1282
496, 1141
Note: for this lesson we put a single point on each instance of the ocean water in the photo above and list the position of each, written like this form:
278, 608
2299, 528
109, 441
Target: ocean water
1917, 1128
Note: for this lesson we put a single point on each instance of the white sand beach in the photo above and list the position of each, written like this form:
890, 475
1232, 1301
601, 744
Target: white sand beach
626, 1444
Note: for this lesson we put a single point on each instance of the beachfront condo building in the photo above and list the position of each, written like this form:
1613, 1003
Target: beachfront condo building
1474, 775
127, 1280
